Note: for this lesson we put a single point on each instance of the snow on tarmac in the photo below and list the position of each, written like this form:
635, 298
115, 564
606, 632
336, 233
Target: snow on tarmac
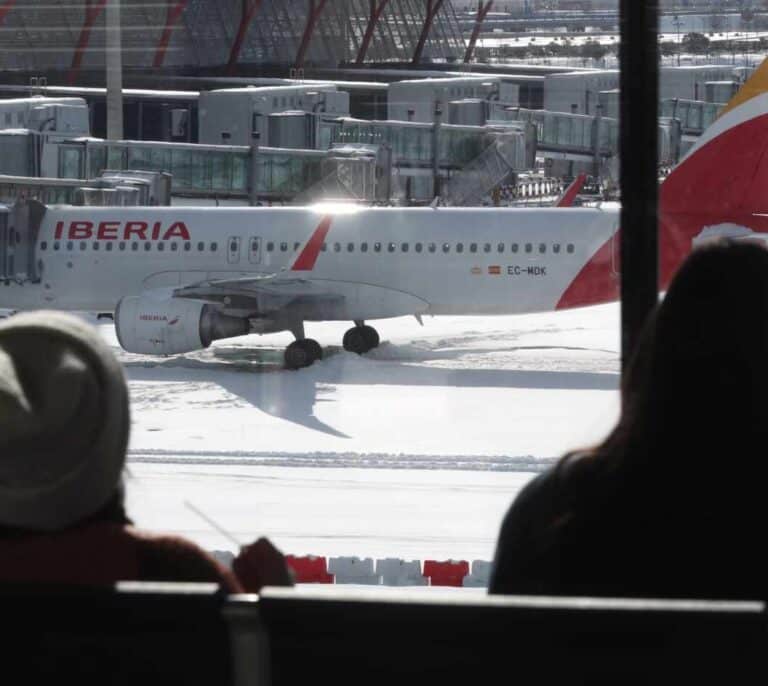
413, 451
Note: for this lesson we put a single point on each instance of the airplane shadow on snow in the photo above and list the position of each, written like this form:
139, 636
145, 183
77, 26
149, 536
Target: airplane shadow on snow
256, 376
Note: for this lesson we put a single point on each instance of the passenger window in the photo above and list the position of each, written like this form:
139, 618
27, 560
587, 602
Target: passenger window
108, 247
364, 247
377, 247
513, 247
70, 246
473, 247
446, 247
214, 247
500, 247
83, 245
95, 245
556, 248
337, 247
418, 247
43, 246
161, 246
460, 247
296, 246
350, 247
270, 246
528, 247
135, 246
542, 248
147, 246
201, 246
391, 247
187, 246
283, 247
174, 246
404, 247
432, 247
121, 246
570, 248
56, 245
487, 247
324, 247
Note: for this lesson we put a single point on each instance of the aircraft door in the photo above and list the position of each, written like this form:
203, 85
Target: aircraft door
233, 250
254, 250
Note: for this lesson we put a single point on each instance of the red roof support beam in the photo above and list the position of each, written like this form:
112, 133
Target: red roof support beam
6, 7
250, 7
376, 12
316, 8
93, 9
433, 7
482, 13
175, 10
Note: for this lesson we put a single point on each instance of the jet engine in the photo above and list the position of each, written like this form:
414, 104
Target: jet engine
172, 326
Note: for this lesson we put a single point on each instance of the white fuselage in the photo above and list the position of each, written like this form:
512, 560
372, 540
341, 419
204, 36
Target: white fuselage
433, 261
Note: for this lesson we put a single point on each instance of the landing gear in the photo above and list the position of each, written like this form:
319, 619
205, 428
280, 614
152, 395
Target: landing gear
302, 353
360, 339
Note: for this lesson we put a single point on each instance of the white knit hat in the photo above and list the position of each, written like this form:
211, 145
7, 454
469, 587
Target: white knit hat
64, 421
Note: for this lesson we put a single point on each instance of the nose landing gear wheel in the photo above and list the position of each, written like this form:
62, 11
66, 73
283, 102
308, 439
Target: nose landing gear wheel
302, 353
360, 339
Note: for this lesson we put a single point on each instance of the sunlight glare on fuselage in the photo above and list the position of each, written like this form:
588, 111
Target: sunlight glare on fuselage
336, 207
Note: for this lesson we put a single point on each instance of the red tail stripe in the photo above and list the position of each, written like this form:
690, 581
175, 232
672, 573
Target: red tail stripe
572, 191
306, 261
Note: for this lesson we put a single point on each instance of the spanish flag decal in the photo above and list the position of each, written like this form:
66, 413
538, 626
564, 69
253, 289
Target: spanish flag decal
494, 269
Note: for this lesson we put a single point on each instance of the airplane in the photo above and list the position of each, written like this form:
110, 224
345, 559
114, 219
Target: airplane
179, 278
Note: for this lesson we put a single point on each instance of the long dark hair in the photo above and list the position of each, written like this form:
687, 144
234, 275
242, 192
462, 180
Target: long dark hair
696, 390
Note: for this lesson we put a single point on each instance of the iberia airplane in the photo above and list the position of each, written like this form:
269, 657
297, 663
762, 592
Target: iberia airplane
179, 278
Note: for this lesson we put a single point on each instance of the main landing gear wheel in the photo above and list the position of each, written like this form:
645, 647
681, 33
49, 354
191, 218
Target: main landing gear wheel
361, 339
302, 353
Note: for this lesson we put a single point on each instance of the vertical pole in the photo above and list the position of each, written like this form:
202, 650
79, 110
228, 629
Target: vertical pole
114, 61
639, 168
438, 117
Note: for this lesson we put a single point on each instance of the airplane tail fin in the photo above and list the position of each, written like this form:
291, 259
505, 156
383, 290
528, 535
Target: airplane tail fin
569, 195
721, 186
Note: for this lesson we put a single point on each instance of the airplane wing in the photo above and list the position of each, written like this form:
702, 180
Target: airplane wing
260, 295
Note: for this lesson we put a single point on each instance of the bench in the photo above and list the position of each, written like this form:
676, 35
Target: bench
368, 637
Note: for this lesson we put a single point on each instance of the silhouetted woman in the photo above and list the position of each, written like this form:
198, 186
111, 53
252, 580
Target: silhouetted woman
674, 502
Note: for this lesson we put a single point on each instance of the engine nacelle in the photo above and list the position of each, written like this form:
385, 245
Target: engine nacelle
172, 326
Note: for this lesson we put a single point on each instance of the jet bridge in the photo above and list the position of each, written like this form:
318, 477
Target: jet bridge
19, 231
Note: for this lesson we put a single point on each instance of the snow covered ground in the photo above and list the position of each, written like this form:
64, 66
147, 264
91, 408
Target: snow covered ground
413, 451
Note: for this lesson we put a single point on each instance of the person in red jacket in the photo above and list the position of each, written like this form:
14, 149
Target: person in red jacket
64, 424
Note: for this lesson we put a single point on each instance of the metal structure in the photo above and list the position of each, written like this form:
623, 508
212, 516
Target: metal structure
228, 34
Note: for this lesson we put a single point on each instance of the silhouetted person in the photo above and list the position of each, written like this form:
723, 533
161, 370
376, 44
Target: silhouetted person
673, 502
64, 423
